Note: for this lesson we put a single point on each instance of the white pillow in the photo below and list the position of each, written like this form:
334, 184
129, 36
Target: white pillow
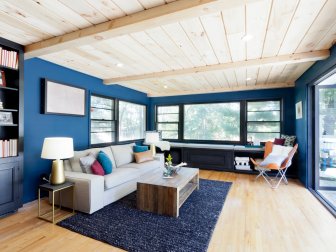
273, 159
281, 150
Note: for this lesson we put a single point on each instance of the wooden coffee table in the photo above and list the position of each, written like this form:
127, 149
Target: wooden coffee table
166, 195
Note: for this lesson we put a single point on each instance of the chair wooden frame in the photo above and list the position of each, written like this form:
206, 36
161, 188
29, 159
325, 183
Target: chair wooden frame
281, 175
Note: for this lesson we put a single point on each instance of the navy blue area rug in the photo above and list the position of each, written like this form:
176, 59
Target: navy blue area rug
122, 225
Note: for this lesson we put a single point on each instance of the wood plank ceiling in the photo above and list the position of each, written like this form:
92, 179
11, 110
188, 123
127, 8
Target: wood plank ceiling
253, 45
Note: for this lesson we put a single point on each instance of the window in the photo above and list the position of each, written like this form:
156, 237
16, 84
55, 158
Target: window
132, 121
263, 120
168, 121
216, 121
102, 120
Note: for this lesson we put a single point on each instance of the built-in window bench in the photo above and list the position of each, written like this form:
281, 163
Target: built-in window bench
216, 156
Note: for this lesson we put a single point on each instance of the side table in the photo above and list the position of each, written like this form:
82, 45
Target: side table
53, 189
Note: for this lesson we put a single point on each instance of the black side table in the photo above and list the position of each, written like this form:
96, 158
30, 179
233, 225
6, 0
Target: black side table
53, 189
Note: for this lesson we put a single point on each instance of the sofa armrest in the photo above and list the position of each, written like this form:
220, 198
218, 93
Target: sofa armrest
89, 191
160, 157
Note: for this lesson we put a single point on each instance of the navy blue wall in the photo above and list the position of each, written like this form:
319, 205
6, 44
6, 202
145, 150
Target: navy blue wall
37, 126
301, 93
287, 94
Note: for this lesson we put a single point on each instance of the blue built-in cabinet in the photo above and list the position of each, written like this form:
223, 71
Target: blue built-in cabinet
37, 126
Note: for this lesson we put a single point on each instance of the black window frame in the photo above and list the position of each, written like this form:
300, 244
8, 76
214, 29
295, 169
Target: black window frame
118, 122
243, 120
178, 123
263, 100
113, 120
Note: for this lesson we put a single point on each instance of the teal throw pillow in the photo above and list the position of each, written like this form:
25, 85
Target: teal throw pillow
139, 148
105, 162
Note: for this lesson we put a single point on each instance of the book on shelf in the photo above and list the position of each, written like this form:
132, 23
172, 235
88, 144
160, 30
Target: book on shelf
9, 58
8, 148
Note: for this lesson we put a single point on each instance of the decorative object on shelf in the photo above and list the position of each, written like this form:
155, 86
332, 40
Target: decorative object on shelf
6, 118
171, 170
64, 99
250, 141
2, 79
57, 148
298, 110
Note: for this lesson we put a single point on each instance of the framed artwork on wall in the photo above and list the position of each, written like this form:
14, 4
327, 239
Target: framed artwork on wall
298, 110
6, 118
63, 99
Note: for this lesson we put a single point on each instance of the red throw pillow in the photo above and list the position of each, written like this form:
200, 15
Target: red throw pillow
97, 168
279, 141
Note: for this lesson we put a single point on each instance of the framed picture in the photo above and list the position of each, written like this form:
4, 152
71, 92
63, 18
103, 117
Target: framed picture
63, 99
298, 110
2, 79
6, 118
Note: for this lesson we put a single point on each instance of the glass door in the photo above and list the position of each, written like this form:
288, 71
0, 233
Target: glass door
325, 140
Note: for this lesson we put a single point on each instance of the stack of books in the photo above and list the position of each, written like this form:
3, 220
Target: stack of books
9, 58
242, 163
8, 148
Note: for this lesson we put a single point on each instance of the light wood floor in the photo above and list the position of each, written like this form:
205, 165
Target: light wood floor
254, 218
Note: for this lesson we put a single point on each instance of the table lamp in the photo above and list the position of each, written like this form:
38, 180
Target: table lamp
152, 137
57, 148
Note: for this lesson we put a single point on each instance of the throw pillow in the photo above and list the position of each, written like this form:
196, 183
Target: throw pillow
273, 161
289, 140
86, 162
144, 156
105, 162
97, 168
139, 148
279, 141
281, 150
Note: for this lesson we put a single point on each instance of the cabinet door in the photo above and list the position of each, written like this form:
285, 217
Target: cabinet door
9, 187
209, 158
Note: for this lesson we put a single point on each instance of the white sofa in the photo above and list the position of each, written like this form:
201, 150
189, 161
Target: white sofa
93, 192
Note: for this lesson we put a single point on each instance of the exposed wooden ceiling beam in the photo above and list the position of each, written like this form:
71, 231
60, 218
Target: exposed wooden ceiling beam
221, 90
140, 21
270, 61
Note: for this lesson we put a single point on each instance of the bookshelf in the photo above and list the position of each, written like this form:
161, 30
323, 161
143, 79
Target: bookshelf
11, 126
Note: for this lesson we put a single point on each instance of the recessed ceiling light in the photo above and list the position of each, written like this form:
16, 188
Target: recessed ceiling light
248, 78
120, 65
247, 37
165, 86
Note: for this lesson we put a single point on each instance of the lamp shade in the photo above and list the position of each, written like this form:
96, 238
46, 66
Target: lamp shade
57, 148
152, 137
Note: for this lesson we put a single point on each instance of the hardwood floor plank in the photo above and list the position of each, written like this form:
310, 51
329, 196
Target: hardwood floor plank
254, 218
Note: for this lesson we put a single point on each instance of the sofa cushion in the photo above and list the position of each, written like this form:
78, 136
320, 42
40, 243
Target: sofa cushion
105, 162
67, 165
123, 154
74, 161
120, 176
143, 167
